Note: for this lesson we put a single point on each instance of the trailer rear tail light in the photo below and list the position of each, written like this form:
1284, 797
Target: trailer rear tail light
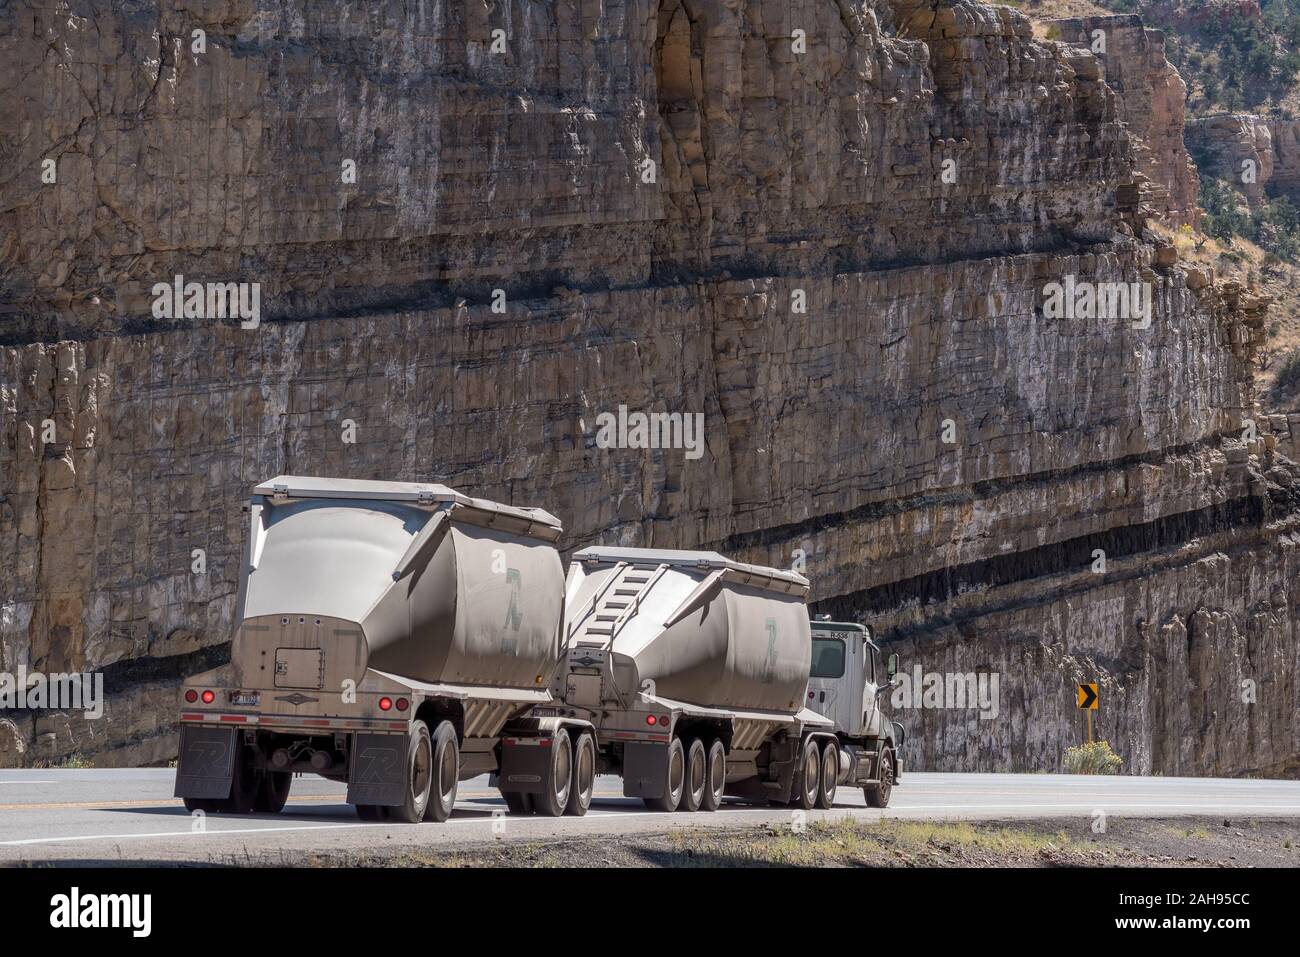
402, 704
650, 719
209, 697
663, 720
385, 704
191, 696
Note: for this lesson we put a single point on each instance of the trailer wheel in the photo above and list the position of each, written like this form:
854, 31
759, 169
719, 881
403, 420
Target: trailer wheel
697, 775
517, 802
715, 776
674, 780
419, 776
807, 776
557, 782
445, 776
877, 795
583, 785
273, 792
830, 773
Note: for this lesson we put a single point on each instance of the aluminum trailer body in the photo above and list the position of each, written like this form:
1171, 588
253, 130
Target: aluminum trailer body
693, 670
388, 635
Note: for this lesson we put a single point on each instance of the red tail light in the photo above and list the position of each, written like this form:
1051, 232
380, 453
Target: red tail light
385, 704
649, 719
402, 704
209, 697
191, 696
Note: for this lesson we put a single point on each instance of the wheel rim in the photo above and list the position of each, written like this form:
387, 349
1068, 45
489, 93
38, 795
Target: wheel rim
718, 767
421, 772
446, 772
810, 765
830, 771
698, 771
586, 771
563, 770
676, 773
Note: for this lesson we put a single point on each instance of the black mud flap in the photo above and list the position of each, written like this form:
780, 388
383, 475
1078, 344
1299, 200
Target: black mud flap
524, 765
206, 762
378, 774
645, 769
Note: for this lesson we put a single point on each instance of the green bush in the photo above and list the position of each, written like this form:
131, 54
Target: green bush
1288, 376
1095, 758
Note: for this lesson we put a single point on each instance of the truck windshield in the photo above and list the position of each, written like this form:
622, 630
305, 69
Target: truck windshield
827, 658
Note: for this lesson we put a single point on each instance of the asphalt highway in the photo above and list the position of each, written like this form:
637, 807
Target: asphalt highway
103, 816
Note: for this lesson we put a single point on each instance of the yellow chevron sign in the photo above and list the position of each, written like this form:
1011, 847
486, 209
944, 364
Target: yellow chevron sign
1088, 700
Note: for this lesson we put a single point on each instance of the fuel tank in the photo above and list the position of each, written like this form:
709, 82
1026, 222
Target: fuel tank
416, 580
694, 627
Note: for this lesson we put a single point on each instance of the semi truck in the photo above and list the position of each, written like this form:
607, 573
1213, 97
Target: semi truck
402, 637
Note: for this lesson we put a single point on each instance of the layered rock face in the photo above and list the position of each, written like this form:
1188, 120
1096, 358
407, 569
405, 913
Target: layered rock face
1153, 103
830, 227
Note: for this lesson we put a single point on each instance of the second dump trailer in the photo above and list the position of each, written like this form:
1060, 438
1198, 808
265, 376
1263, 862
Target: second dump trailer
692, 669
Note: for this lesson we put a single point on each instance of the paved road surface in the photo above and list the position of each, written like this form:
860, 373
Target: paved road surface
111, 815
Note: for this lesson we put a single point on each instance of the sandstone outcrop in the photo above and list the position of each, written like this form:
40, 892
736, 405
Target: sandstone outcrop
838, 255
1152, 101
1236, 147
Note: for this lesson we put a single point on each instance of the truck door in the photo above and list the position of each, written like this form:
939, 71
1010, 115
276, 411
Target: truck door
830, 652
871, 718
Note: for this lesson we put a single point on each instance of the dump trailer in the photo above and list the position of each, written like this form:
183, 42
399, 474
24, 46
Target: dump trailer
846, 684
693, 671
390, 636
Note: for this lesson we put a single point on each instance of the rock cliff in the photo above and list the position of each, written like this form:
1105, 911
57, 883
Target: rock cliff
826, 225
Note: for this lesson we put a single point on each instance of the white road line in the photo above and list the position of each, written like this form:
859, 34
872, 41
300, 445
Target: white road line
28, 782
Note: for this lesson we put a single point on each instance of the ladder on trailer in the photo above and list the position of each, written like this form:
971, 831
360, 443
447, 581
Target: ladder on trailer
615, 602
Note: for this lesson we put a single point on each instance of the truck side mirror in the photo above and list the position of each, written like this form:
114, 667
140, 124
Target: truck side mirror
892, 666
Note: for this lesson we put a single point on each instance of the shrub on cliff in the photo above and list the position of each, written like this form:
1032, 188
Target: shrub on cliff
1094, 758
1288, 376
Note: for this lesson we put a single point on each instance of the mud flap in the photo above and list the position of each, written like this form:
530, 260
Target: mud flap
645, 769
206, 762
524, 765
378, 773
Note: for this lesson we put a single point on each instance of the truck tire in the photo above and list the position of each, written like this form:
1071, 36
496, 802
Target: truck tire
245, 783
557, 782
807, 776
830, 772
715, 776
418, 778
445, 777
273, 792
674, 780
517, 802
877, 795
583, 785
697, 774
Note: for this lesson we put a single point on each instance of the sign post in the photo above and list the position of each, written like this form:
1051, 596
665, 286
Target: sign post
1088, 701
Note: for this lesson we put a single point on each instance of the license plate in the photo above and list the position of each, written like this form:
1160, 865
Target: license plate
249, 699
